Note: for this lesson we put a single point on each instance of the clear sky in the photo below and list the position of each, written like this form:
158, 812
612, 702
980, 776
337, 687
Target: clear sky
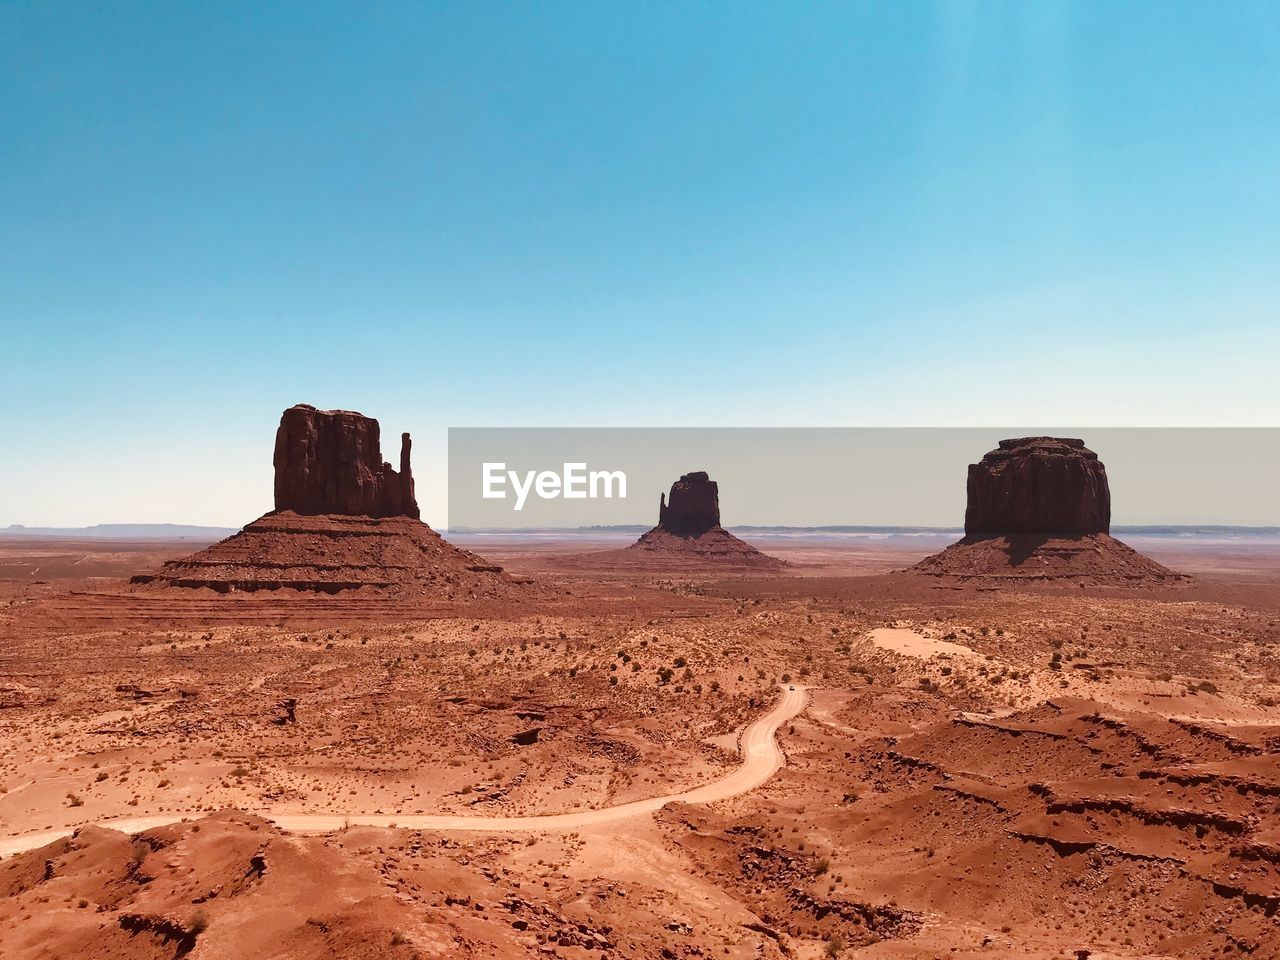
608, 214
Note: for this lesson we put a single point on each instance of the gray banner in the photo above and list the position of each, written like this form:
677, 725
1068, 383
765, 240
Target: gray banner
556, 478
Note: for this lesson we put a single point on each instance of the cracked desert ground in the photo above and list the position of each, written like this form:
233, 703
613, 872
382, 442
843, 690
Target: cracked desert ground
1022, 771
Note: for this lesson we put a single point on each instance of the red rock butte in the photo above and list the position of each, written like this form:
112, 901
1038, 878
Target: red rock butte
343, 519
694, 508
330, 461
689, 529
1039, 508
1047, 485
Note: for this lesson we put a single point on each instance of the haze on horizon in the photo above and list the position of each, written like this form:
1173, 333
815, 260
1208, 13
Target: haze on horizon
575, 215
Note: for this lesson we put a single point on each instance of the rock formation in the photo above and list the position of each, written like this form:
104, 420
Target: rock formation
330, 461
694, 507
689, 530
1043, 485
343, 519
1039, 508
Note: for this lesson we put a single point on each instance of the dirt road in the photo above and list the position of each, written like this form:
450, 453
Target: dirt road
761, 758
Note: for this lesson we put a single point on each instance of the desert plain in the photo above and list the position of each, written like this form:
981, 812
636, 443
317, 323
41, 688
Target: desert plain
1033, 769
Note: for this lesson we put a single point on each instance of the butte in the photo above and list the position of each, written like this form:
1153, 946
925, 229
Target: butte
689, 529
1039, 509
343, 519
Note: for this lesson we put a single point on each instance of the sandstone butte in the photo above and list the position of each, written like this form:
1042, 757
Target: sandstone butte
1039, 508
689, 529
330, 461
343, 519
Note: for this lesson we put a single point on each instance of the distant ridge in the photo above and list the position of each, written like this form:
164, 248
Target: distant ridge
1154, 530
1163, 529
182, 531
1195, 529
123, 531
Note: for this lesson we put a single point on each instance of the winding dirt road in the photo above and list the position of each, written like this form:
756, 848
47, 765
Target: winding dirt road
761, 759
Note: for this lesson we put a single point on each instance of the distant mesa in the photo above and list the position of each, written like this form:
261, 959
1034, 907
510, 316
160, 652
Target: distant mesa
343, 519
689, 528
1039, 508
121, 531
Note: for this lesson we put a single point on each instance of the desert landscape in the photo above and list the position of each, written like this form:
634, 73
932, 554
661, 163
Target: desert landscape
337, 734
639, 481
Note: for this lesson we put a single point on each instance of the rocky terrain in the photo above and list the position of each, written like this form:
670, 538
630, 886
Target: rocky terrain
337, 735
978, 773
1039, 508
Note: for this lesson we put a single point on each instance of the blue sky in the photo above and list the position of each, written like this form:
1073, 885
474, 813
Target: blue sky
596, 214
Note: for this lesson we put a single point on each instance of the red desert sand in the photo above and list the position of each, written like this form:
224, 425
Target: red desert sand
592, 763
